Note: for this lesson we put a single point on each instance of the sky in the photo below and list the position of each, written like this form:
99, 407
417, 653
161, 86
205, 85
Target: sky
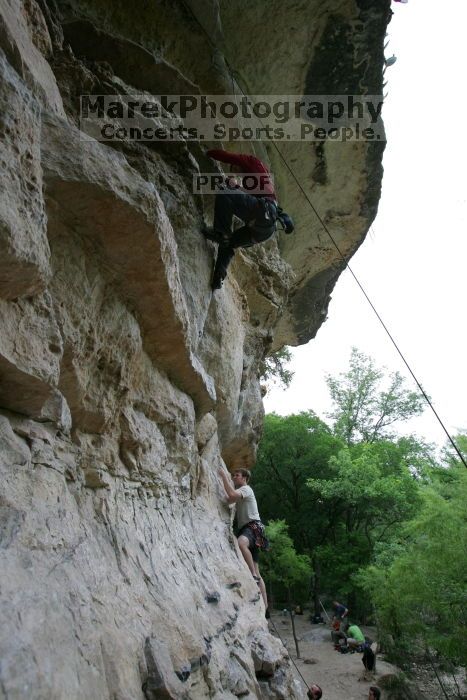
413, 261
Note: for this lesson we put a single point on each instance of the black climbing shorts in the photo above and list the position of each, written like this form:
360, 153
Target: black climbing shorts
247, 532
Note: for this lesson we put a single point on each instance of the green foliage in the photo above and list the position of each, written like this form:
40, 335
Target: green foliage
364, 410
373, 488
274, 368
419, 585
281, 563
293, 449
450, 456
368, 494
379, 519
356, 496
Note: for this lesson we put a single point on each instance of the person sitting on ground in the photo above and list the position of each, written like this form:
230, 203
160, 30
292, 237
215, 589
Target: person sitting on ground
374, 693
355, 637
336, 634
250, 530
314, 692
258, 212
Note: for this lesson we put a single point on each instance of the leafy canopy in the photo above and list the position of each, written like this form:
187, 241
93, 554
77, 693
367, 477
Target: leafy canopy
365, 406
419, 584
293, 449
274, 368
281, 563
378, 517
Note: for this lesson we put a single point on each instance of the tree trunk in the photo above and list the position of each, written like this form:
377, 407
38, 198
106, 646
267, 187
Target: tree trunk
351, 604
270, 597
316, 585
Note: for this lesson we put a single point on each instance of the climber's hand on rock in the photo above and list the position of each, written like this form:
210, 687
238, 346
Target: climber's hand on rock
222, 472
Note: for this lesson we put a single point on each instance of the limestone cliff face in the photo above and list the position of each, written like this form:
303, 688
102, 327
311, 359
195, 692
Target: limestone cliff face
124, 383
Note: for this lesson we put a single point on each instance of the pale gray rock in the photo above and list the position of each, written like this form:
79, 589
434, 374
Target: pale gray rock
24, 250
113, 211
30, 353
26, 428
338, 50
205, 429
267, 655
160, 683
25, 39
14, 451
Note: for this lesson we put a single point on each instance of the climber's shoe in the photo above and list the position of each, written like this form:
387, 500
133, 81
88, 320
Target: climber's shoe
216, 282
267, 614
213, 235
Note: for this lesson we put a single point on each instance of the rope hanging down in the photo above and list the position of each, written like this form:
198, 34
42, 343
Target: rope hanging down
325, 228
290, 656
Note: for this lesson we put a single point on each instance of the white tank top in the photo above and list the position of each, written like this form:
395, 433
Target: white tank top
246, 508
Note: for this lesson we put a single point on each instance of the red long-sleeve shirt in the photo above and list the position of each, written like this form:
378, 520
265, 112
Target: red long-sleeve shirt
248, 164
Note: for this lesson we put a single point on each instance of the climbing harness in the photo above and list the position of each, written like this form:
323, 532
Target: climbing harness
261, 541
285, 220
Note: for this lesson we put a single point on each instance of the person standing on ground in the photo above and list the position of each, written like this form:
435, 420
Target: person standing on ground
374, 693
368, 661
250, 529
314, 692
340, 611
339, 622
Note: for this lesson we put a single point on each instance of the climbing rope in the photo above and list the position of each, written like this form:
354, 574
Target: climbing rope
290, 656
341, 255
388, 333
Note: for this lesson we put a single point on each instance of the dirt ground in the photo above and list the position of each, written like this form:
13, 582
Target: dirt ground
337, 674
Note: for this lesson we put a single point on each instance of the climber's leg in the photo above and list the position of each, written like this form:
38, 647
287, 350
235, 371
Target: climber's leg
262, 587
250, 554
244, 545
225, 254
227, 204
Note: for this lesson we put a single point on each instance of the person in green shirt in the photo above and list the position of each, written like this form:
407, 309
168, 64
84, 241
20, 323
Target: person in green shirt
355, 636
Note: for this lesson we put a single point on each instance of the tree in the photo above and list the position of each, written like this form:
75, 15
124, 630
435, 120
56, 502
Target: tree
418, 585
450, 456
293, 448
356, 496
281, 564
365, 499
364, 410
344, 492
274, 369
372, 489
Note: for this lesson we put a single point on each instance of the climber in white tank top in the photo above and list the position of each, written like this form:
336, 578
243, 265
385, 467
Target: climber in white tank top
250, 534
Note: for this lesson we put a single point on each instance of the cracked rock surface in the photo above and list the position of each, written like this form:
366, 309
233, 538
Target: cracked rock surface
124, 382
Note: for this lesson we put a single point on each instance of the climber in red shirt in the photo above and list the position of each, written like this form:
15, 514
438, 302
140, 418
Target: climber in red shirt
245, 164
257, 211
